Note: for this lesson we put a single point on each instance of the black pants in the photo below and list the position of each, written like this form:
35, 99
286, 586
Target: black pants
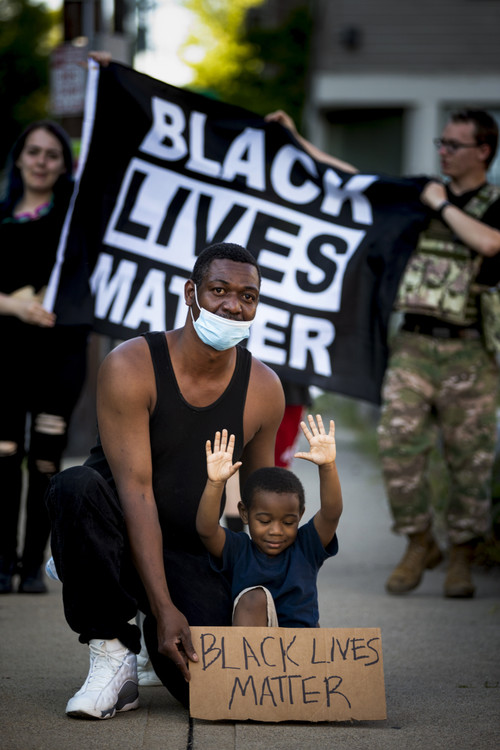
101, 588
43, 374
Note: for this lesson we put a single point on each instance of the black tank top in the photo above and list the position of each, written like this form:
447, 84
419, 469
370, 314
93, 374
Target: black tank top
178, 433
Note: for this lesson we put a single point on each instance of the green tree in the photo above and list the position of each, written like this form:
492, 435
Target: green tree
27, 34
284, 59
244, 63
218, 38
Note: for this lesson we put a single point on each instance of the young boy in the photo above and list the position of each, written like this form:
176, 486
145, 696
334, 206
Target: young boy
273, 572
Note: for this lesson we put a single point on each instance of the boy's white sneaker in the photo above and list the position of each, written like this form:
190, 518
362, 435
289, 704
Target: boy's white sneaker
111, 684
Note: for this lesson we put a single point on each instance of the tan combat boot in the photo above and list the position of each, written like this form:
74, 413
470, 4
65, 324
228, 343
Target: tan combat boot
458, 583
422, 552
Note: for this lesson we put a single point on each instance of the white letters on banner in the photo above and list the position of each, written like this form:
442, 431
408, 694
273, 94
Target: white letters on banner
159, 214
187, 172
113, 296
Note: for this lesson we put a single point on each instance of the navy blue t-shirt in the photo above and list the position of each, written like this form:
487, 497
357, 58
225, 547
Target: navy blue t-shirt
290, 576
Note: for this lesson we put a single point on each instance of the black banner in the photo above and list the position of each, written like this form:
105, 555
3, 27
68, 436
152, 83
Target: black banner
166, 172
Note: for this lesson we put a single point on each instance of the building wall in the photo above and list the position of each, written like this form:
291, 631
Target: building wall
392, 70
420, 36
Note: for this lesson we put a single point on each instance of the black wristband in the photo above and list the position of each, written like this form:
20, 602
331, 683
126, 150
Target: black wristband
441, 208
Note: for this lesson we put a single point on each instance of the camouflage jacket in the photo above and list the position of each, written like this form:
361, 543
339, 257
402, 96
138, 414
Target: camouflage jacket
439, 277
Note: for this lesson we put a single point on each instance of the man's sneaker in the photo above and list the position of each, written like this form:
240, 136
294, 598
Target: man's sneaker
111, 684
145, 670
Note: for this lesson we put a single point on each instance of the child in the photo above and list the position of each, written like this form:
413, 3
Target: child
273, 572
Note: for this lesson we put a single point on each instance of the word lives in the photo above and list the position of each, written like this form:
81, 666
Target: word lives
181, 192
282, 674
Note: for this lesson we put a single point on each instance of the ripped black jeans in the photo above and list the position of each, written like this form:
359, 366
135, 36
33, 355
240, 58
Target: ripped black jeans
41, 377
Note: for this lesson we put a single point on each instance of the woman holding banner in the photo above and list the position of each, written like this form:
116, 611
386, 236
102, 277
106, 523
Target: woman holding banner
44, 361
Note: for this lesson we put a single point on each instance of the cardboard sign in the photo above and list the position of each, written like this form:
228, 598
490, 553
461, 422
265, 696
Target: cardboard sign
287, 674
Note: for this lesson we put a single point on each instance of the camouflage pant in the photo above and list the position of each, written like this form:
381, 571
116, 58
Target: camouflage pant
449, 385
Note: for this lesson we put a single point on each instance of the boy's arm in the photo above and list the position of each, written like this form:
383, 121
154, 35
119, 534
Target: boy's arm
220, 468
323, 453
327, 518
207, 518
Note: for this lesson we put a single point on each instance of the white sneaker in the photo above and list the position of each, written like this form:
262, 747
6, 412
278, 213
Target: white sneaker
50, 569
111, 684
145, 670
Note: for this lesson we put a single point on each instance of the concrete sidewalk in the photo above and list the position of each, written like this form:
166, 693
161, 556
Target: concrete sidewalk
441, 656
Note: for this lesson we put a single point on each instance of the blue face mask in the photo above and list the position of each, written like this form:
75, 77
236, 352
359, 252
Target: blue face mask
219, 333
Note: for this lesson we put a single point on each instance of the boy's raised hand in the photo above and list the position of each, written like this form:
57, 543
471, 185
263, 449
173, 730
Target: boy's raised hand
220, 465
322, 444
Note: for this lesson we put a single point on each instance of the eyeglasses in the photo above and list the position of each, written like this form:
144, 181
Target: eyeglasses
452, 146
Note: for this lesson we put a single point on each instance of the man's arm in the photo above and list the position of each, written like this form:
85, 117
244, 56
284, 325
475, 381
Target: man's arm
220, 468
323, 452
475, 234
125, 397
284, 119
264, 409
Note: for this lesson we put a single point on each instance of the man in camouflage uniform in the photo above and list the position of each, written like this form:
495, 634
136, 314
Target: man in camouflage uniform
441, 377
442, 374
